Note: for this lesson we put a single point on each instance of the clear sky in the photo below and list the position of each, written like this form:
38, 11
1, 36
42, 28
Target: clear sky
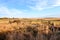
30, 8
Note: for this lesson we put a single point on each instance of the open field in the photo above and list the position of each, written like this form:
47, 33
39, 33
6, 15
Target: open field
29, 28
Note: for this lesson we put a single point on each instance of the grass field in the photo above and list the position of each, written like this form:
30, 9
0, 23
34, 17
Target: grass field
29, 28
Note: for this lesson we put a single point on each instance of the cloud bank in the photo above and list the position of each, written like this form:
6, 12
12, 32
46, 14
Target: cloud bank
34, 5
10, 12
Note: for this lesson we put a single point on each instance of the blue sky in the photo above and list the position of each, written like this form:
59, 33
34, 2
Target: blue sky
30, 8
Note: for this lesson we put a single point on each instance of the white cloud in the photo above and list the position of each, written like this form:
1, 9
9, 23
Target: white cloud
10, 12
43, 4
39, 4
33, 4
52, 15
56, 3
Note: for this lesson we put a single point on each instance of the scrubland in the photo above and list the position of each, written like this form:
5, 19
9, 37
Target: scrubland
29, 28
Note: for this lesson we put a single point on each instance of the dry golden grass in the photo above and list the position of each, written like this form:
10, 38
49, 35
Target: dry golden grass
6, 26
28, 27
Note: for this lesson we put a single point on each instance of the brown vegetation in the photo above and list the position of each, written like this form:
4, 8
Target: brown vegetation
29, 29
